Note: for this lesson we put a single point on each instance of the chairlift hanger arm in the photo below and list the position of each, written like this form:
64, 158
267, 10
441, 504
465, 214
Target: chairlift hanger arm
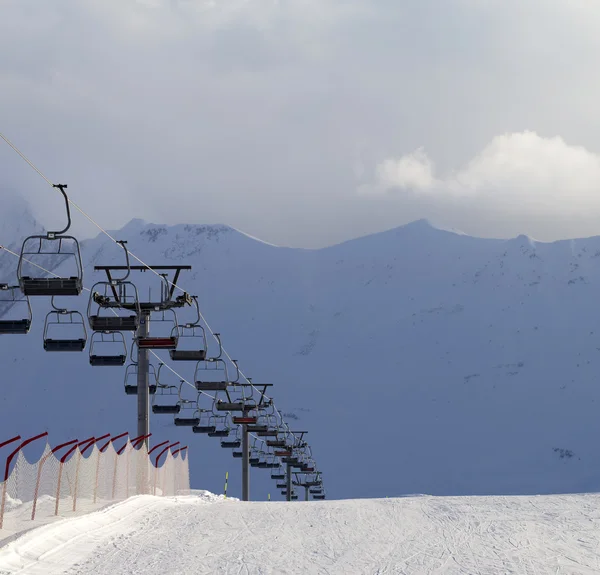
62, 188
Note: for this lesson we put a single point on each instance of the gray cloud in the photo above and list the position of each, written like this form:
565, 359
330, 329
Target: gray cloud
269, 115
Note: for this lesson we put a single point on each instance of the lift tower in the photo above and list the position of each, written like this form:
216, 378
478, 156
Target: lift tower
167, 301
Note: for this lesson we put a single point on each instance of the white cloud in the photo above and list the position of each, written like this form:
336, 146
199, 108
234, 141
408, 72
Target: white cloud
518, 171
264, 114
413, 171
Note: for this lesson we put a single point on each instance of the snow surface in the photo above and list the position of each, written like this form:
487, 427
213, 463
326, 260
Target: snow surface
202, 533
420, 361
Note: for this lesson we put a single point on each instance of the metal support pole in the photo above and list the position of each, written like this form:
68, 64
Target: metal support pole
245, 464
288, 496
143, 394
306, 493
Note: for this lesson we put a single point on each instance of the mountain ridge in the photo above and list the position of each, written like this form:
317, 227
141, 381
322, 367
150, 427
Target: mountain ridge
442, 367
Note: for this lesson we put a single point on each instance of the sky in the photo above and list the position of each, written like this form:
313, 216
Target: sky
307, 122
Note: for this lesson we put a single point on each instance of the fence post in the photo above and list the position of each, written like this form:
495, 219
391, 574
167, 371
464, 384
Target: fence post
39, 473
60, 468
6, 469
135, 443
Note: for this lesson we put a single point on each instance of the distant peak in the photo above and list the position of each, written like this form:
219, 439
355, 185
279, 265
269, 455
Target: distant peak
421, 224
524, 240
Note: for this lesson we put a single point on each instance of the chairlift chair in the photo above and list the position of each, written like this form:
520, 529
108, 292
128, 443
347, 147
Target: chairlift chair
103, 342
38, 247
186, 406
237, 454
191, 339
131, 375
167, 393
206, 424
211, 375
162, 341
254, 461
115, 298
319, 497
63, 320
9, 323
278, 474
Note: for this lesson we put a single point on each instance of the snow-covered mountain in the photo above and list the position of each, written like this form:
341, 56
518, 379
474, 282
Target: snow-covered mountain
419, 360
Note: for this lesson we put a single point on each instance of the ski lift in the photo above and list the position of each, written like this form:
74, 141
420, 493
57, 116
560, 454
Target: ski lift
222, 429
64, 330
115, 298
186, 405
38, 247
191, 339
131, 376
281, 485
211, 374
254, 461
319, 497
161, 341
9, 324
206, 424
294, 497
103, 342
279, 474
315, 491
237, 454
167, 393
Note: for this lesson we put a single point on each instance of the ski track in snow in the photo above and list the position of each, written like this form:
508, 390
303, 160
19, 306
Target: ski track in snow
203, 533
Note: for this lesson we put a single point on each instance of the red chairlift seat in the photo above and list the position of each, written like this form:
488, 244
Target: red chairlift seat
238, 420
157, 342
282, 453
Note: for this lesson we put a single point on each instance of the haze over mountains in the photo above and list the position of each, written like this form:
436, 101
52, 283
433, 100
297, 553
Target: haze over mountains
419, 360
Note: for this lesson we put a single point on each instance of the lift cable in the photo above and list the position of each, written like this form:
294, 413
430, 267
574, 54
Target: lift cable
91, 220
181, 378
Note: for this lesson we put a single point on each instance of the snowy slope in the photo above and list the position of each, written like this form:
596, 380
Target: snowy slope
421, 535
420, 360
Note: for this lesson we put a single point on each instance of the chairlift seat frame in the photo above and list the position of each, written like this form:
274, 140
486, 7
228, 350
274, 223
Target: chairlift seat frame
233, 444
132, 389
219, 433
186, 421
166, 409
204, 428
187, 354
212, 386
149, 342
238, 420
